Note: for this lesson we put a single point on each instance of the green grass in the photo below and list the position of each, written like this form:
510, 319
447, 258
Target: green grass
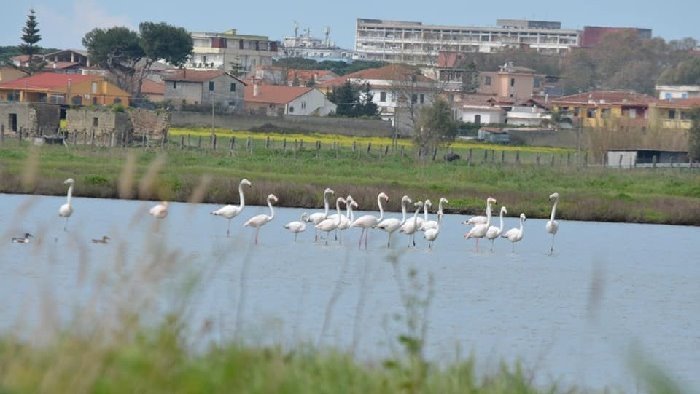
298, 176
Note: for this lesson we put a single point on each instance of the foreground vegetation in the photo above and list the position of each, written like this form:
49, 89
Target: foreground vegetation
297, 175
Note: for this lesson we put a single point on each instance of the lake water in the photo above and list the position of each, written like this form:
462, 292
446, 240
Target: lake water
573, 317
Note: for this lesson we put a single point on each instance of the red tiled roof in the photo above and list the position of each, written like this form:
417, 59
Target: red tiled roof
307, 75
274, 94
46, 81
193, 75
391, 72
679, 103
152, 87
606, 97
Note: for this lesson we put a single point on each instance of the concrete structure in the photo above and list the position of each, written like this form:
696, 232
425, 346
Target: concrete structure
668, 92
604, 108
419, 44
212, 87
307, 47
592, 35
63, 89
478, 109
110, 128
644, 157
33, 119
274, 100
230, 51
531, 116
515, 83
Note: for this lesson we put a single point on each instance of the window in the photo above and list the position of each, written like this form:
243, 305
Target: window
414, 98
174, 84
605, 113
94, 88
204, 59
232, 87
512, 82
487, 81
211, 86
76, 100
382, 97
422, 98
303, 105
590, 113
291, 109
117, 100
95, 122
672, 114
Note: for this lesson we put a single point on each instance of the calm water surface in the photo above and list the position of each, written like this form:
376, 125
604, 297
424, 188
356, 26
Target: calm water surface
572, 317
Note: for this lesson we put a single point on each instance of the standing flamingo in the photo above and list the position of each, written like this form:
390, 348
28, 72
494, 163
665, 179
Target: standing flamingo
347, 219
67, 209
390, 225
516, 233
258, 221
479, 231
297, 227
231, 211
370, 221
474, 220
411, 225
331, 224
318, 217
494, 232
431, 235
428, 224
552, 225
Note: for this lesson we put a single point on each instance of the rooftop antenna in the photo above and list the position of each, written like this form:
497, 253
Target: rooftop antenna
327, 33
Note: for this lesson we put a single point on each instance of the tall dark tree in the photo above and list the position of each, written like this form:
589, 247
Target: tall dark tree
694, 135
435, 127
130, 55
29, 46
353, 101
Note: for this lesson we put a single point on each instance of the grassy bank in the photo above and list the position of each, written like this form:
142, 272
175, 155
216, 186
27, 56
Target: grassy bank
299, 175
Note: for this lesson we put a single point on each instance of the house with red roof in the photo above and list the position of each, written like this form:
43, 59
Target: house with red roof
673, 114
205, 88
274, 100
601, 108
55, 88
309, 77
154, 91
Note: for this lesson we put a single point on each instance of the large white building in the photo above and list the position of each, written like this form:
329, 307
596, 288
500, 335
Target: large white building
230, 51
419, 44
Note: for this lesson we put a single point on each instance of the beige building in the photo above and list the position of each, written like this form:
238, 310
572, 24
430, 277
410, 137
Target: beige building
516, 83
230, 51
212, 87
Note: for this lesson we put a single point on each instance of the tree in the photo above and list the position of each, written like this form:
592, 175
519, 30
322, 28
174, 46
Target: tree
687, 72
353, 101
29, 47
694, 135
129, 55
435, 127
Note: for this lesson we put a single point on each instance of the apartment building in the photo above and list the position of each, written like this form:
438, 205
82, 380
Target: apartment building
230, 51
418, 44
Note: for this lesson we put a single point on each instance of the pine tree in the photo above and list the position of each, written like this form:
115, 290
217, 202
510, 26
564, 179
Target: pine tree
29, 47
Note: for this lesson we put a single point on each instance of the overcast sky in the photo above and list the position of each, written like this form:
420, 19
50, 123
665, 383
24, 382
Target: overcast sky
63, 23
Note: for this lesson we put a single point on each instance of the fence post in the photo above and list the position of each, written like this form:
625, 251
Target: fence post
2, 133
469, 156
538, 158
386, 150
284, 144
369, 146
402, 152
552, 163
517, 157
267, 142
503, 157
213, 141
568, 159
249, 144
354, 146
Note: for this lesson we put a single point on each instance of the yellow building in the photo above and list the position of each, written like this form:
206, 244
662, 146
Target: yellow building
673, 114
63, 89
603, 108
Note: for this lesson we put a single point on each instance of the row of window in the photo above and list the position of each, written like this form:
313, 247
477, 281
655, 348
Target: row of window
415, 98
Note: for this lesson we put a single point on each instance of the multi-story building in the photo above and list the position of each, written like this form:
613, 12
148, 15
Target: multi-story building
230, 51
419, 44
308, 47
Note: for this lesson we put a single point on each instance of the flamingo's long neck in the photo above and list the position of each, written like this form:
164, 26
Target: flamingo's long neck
488, 213
403, 211
381, 208
554, 209
439, 212
501, 216
425, 211
337, 206
521, 223
241, 195
272, 211
326, 205
415, 215
70, 194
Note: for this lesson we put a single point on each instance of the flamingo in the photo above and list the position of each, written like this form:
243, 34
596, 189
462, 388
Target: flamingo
67, 209
102, 240
428, 224
516, 233
479, 230
411, 225
474, 220
258, 221
349, 217
390, 225
431, 235
552, 225
370, 221
231, 211
494, 232
331, 224
297, 226
22, 240
318, 217
160, 210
